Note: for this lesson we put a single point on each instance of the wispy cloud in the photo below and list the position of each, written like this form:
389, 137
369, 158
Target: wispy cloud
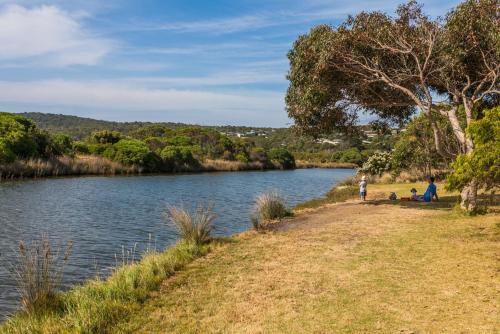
136, 100
47, 35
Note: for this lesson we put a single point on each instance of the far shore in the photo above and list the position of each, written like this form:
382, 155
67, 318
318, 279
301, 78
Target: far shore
87, 165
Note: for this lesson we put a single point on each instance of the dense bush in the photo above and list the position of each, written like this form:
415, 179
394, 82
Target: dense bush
21, 139
175, 156
132, 152
106, 137
283, 157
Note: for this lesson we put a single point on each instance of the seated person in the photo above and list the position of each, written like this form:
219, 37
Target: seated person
431, 192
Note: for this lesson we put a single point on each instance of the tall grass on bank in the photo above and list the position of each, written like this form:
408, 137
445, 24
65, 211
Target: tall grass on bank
98, 305
39, 273
65, 165
233, 166
268, 207
193, 227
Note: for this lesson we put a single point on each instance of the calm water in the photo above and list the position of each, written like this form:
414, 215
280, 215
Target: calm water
102, 215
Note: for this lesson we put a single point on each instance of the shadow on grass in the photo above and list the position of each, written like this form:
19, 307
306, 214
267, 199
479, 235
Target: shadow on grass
444, 203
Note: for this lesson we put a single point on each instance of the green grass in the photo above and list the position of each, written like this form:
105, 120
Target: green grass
97, 305
337, 194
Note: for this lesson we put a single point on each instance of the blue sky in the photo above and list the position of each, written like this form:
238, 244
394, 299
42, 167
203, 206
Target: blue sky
206, 62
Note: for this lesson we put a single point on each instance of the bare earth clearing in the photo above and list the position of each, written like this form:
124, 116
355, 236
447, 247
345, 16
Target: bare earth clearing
378, 267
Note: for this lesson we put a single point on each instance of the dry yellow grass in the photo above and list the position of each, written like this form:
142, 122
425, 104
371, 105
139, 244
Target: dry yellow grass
376, 267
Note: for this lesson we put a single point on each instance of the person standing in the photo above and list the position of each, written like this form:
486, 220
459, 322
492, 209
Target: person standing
362, 188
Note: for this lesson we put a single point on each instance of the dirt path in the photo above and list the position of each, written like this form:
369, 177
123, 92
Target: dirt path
345, 268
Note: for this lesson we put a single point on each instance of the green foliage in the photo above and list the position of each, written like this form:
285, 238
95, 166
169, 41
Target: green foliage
21, 139
6, 154
482, 164
283, 157
352, 155
415, 146
63, 143
377, 164
178, 155
105, 137
99, 304
132, 152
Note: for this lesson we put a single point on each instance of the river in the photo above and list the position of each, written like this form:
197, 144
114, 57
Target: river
103, 216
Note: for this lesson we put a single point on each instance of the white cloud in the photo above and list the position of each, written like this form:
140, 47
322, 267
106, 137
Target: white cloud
47, 35
199, 106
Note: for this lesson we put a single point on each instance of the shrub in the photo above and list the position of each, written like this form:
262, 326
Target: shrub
193, 227
6, 154
377, 164
39, 273
63, 143
352, 155
132, 152
268, 206
283, 157
105, 137
175, 156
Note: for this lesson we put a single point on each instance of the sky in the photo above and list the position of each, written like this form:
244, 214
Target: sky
218, 62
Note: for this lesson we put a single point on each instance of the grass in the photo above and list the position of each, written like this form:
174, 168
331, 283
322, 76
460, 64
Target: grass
315, 164
193, 227
350, 268
39, 273
65, 165
268, 207
337, 194
99, 304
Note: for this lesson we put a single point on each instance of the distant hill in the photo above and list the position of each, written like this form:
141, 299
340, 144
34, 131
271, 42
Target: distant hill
81, 127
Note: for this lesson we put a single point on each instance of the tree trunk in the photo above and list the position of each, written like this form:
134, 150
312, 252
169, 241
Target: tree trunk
468, 196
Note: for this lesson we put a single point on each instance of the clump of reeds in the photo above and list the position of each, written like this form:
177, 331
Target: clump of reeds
268, 207
39, 273
65, 165
192, 226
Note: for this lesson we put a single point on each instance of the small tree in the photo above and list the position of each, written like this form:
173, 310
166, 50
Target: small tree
483, 164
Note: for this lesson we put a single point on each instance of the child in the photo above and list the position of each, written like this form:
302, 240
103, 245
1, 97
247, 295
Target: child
362, 188
414, 196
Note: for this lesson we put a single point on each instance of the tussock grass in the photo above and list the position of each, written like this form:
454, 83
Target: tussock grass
39, 273
97, 305
268, 207
193, 227
65, 165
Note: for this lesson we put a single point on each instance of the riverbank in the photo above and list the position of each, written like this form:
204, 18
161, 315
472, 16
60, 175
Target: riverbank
350, 267
347, 267
86, 165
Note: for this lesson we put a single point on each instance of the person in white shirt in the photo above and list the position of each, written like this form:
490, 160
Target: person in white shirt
362, 188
